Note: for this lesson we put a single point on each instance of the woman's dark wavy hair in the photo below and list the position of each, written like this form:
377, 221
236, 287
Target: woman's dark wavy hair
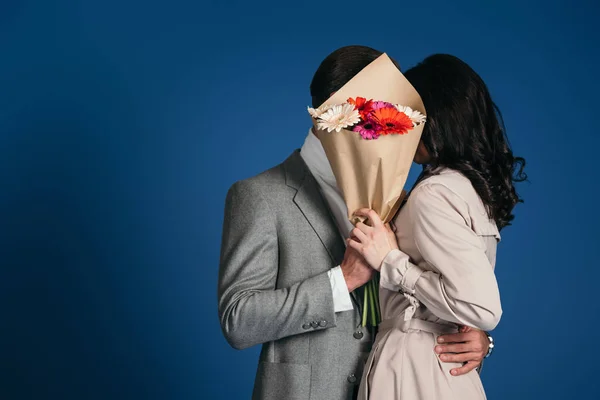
465, 132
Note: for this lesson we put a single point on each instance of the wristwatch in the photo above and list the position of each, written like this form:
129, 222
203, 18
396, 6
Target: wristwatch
489, 352
490, 346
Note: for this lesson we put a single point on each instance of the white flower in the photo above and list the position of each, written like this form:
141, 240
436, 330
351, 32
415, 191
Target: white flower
416, 117
339, 117
317, 112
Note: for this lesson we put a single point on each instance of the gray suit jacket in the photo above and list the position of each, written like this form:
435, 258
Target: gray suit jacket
279, 241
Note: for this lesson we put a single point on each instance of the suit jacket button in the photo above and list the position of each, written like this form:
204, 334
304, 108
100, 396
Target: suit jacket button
358, 335
306, 326
352, 378
314, 324
323, 323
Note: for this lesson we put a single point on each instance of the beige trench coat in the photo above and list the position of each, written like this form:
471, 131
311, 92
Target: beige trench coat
442, 277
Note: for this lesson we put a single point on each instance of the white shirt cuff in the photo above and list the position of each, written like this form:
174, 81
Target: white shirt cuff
341, 297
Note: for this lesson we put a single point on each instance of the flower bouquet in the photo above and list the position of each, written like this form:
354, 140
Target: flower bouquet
370, 130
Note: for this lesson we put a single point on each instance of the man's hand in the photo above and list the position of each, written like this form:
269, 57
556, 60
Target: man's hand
469, 346
355, 268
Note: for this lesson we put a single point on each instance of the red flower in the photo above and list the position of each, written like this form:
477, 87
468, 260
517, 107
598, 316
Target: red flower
364, 106
392, 121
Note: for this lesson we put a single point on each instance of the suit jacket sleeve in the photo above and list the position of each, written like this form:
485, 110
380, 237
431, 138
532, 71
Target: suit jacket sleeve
251, 309
458, 284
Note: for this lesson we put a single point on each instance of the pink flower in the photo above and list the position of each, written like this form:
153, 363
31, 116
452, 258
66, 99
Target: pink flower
368, 129
382, 104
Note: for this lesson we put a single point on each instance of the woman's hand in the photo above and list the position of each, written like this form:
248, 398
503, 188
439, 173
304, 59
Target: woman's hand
373, 242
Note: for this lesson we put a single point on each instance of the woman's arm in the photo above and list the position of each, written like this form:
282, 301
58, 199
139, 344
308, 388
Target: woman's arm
459, 285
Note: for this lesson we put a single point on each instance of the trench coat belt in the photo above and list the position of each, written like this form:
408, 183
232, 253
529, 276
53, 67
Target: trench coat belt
416, 324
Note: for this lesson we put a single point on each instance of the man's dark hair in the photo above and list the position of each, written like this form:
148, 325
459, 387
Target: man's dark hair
338, 68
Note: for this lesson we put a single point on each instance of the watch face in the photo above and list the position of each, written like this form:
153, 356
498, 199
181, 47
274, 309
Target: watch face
490, 346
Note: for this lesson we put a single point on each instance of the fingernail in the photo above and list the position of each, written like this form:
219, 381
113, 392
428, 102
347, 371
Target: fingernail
453, 372
438, 349
440, 340
443, 357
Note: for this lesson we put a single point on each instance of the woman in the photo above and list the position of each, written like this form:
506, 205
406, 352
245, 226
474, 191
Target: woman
437, 270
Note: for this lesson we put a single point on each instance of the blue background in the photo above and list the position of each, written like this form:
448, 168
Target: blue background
123, 123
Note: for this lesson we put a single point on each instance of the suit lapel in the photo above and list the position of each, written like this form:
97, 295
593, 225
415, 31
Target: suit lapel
310, 202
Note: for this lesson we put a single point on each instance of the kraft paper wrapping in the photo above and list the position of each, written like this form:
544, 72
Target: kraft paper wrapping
372, 173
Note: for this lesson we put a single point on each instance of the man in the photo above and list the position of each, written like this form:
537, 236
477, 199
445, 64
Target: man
281, 283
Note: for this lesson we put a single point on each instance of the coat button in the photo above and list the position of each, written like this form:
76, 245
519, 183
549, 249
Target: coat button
306, 326
358, 335
323, 323
352, 378
314, 324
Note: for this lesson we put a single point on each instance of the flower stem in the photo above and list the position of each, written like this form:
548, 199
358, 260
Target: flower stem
372, 304
365, 305
371, 307
377, 304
